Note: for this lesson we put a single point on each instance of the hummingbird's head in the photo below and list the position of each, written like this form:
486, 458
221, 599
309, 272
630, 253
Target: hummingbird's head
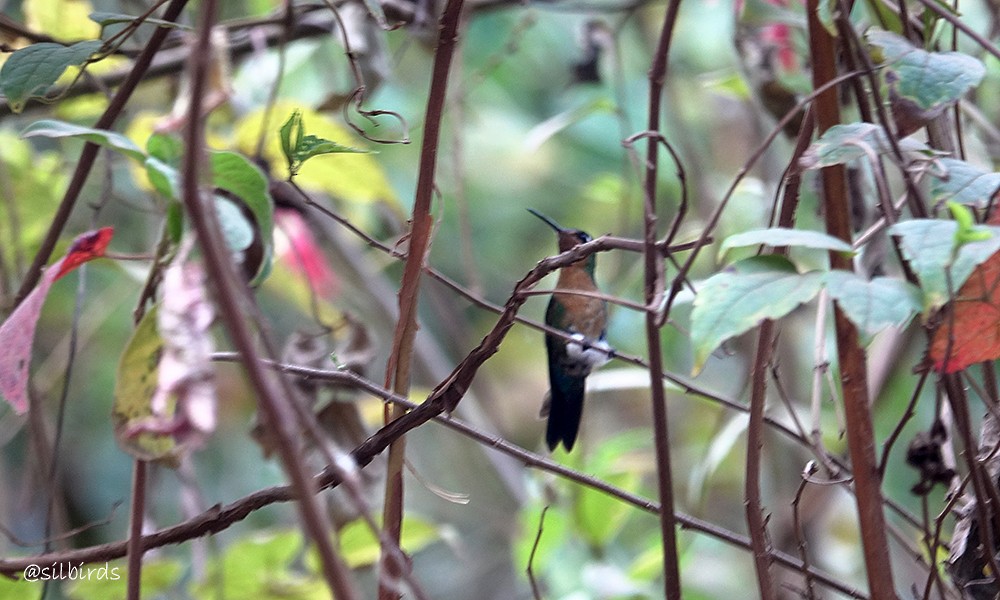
568, 238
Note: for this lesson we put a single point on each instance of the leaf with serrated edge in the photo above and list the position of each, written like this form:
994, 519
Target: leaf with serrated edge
30, 72
930, 79
843, 143
738, 299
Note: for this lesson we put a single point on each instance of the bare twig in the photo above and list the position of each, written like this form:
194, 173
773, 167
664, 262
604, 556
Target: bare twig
653, 287
133, 548
531, 557
398, 369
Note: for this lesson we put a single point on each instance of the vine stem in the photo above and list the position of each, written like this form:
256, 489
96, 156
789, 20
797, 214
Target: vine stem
853, 370
133, 548
653, 289
398, 368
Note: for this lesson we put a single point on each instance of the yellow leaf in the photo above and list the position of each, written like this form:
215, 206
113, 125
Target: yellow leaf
138, 374
65, 20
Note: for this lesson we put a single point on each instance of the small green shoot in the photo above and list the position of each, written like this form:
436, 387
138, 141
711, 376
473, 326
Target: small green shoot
299, 147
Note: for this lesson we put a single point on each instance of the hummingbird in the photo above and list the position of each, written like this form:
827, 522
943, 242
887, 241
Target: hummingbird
585, 319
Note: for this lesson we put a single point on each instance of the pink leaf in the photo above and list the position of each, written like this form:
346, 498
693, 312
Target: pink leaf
17, 334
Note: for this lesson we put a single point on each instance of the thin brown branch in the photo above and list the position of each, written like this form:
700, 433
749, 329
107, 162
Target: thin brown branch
398, 368
219, 518
232, 295
756, 521
535, 591
133, 547
653, 288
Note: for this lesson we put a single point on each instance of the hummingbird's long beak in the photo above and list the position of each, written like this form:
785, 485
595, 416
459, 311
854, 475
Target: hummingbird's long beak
547, 220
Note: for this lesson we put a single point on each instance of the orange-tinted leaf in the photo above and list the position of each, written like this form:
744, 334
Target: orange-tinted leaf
88, 246
17, 334
970, 325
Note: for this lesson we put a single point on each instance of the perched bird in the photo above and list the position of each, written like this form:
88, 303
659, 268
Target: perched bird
585, 319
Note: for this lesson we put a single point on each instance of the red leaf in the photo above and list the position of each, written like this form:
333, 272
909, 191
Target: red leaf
88, 246
969, 332
17, 334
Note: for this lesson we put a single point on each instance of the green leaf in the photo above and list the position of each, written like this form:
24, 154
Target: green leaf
166, 148
102, 581
929, 79
599, 516
298, 147
738, 299
312, 146
164, 178
963, 183
30, 72
873, 305
779, 237
60, 129
260, 566
844, 143
291, 133
108, 18
361, 548
930, 247
135, 384
237, 175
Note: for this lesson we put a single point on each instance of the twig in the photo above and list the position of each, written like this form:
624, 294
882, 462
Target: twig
756, 523
799, 533
133, 547
531, 557
398, 368
653, 286
231, 295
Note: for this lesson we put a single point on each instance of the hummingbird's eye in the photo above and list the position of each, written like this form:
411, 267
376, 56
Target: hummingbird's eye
583, 237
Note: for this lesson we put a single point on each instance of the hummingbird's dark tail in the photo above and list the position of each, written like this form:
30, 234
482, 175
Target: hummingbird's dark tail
565, 409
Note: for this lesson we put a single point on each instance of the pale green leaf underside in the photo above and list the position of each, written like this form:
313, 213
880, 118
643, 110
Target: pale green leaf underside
738, 299
876, 304
780, 236
963, 183
61, 129
928, 245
